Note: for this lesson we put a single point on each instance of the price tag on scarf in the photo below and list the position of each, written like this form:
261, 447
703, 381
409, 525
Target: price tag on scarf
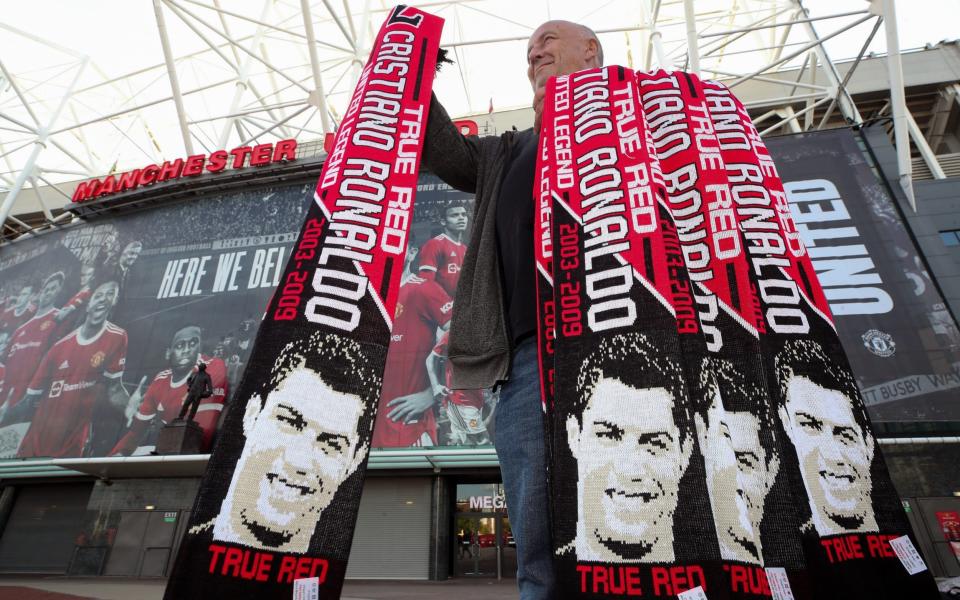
779, 583
696, 593
306, 589
908, 555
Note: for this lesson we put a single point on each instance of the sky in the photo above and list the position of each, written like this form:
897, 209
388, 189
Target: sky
121, 37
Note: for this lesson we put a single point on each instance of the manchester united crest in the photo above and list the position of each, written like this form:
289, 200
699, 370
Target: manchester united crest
46, 325
879, 343
398, 311
97, 359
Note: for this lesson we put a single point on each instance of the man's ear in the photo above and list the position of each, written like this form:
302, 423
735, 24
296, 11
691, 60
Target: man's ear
593, 51
573, 436
250, 415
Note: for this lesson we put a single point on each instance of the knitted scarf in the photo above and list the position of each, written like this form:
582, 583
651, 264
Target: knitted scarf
704, 426
280, 495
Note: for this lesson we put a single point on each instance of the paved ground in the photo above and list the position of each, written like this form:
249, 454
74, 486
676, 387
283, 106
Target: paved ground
65, 588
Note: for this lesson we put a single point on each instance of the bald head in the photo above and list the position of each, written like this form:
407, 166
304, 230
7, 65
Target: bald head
561, 48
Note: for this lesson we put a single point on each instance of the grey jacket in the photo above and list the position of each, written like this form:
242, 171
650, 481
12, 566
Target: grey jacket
479, 348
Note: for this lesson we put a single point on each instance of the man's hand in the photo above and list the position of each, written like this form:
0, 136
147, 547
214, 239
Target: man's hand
135, 399
538, 107
64, 312
409, 407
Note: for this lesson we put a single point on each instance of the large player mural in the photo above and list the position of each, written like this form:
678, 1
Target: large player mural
191, 280
106, 321
101, 324
902, 341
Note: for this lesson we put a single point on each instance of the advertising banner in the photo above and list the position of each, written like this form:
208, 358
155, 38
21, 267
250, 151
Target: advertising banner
902, 342
193, 281
103, 323
950, 526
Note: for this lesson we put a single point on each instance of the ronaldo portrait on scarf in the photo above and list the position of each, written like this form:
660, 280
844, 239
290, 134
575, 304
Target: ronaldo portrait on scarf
304, 437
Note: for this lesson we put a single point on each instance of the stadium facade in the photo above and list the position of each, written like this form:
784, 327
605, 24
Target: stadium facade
183, 265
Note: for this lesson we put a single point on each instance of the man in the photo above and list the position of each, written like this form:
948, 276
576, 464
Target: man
22, 309
304, 437
163, 398
464, 408
739, 453
492, 331
441, 256
199, 386
131, 252
406, 416
70, 315
30, 342
78, 372
831, 437
632, 438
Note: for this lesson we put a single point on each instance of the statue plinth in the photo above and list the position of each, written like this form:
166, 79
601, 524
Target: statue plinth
180, 437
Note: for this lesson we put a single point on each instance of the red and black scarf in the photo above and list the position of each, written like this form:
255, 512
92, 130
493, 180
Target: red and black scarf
280, 496
705, 429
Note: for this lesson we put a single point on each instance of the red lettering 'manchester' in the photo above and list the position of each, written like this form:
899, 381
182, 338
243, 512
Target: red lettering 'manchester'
194, 165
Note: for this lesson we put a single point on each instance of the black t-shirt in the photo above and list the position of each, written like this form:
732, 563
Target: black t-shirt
515, 237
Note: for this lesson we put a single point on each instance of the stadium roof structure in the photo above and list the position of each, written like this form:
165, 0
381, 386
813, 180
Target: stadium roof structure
193, 76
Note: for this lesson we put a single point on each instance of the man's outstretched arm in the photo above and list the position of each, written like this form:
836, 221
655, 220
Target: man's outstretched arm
452, 156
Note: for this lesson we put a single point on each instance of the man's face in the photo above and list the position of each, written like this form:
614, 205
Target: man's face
130, 254
185, 348
630, 458
834, 453
557, 48
49, 293
739, 477
23, 298
300, 447
102, 302
86, 275
455, 219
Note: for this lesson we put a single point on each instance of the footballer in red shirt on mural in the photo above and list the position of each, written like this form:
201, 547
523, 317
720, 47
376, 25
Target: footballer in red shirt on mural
162, 401
30, 342
22, 309
442, 256
463, 408
80, 371
405, 417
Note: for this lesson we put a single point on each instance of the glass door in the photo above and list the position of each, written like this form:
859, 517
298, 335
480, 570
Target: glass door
476, 547
484, 546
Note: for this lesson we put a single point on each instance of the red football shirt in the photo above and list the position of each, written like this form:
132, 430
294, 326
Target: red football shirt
163, 400
462, 397
10, 320
72, 378
27, 346
441, 259
75, 319
422, 307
